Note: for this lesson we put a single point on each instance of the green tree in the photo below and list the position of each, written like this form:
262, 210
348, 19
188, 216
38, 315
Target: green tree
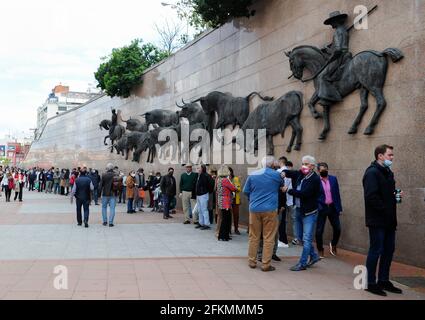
5, 161
204, 14
122, 70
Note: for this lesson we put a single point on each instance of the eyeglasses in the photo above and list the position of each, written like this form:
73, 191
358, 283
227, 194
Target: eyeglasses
306, 164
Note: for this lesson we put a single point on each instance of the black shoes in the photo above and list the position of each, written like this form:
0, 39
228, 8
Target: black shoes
165, 217
388, 286
205, 228
376, 289
198, 226
86, 225
105, 224
111, 224
276, 258
79, 224
186, 222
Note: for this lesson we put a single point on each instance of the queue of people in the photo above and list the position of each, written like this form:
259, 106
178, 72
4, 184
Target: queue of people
309, 196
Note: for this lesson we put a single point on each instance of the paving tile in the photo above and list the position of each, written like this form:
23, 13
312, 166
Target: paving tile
89, 295
92, 285
18, 295
144, 257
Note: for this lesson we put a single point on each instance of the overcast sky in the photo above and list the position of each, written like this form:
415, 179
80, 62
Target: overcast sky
47, 42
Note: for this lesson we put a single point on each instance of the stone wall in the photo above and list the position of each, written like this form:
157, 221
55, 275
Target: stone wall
247, 55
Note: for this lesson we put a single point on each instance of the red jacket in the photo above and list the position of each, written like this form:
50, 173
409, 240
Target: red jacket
224, 193
11, 184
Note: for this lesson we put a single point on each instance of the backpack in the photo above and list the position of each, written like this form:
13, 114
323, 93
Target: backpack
116, 183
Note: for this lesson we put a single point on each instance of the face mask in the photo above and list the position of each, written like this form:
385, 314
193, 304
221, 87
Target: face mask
387, 163
305, 170
324, 174
133, 175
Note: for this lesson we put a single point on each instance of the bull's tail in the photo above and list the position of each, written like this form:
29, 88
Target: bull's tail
394, 53
266, 98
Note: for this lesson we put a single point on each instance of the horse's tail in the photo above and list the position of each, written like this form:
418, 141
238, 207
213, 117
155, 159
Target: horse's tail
394, 53
266, 98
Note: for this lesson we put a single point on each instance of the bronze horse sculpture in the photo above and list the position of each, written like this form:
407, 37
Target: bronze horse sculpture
365, 71
118, 132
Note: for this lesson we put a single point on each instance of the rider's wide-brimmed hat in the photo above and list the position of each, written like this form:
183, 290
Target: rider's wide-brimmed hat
335, 16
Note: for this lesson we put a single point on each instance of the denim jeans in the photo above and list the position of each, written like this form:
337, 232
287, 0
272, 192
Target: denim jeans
122, 194
56, 189
202, 202
166, 205
382, 246
298, 223
95, 195
112, 202
309, 226
85, 205
129, 205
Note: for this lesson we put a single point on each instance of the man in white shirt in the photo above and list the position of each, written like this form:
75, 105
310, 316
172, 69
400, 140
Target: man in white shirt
282, 240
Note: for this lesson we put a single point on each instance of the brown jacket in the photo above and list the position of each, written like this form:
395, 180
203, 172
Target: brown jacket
130, 183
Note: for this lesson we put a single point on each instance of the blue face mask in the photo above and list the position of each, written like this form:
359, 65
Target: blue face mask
387, 163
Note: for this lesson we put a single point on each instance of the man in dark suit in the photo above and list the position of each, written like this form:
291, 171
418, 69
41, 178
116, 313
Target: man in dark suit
329, 207
168, 190
381, 219
82, 189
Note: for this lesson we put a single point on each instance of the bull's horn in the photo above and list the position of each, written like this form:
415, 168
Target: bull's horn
287, 53
196, 100
178, 105
184, 102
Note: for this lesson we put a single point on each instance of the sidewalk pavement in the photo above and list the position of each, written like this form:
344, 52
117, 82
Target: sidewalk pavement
146, 257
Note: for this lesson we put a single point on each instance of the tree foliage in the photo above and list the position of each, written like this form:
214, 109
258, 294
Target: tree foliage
204, 14
170, 36
122, 70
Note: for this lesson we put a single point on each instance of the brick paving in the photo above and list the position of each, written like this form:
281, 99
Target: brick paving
146, 257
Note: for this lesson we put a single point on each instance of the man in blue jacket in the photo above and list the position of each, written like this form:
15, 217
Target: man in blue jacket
329, 207
262, 189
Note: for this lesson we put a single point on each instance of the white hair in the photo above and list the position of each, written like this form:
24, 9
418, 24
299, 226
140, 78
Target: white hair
109, 167
267, 161
309, 159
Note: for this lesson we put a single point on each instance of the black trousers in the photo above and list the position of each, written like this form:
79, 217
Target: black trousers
85, 205
330, 213
21, 191
8, 193
226, 224
282, 226
31, 186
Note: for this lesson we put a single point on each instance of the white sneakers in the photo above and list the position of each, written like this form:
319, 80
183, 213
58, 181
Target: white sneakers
281, 244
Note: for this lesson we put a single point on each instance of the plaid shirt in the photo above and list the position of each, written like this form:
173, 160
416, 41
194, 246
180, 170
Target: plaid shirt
224, 193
